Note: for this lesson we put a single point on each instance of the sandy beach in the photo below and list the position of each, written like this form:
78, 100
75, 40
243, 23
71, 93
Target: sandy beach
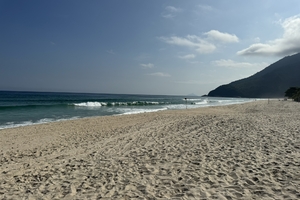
245, 151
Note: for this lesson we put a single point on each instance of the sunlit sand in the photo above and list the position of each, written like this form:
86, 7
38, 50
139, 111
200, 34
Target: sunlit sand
245, 151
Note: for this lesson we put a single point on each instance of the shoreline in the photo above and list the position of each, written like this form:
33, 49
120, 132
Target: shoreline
49, 120
239, 151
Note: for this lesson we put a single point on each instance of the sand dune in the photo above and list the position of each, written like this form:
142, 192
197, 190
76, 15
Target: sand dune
246, 151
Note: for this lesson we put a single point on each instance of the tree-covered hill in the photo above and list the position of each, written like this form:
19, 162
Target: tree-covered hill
272, 81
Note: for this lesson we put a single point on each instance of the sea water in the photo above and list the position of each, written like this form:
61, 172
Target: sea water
27, 108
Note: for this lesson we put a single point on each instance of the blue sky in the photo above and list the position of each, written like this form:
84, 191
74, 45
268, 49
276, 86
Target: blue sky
141, 47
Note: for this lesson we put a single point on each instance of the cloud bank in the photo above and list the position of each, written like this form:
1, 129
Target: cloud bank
192, 41
221, 37
288, 44
202, 45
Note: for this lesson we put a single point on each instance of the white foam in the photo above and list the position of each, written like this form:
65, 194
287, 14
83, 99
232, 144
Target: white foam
202, 102
121, 103
153, 103
193, 99
99, 104
128, 111
45, 120
13, 125
89, 104
28, 123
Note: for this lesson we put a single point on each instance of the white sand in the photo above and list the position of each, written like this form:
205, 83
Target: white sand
247, 151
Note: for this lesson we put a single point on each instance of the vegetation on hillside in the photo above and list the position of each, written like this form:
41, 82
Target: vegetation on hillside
271, 82
293, 93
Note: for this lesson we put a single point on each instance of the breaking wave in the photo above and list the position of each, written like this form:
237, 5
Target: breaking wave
134, 103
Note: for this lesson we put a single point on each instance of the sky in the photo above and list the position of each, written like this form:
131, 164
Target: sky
168, 47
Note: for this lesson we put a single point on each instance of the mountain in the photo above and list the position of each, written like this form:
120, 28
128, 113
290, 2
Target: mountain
272, 81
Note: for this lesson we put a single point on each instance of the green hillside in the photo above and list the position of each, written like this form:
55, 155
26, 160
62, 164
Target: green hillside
272, 81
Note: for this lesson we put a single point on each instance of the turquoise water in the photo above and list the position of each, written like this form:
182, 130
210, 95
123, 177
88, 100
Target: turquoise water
27, 108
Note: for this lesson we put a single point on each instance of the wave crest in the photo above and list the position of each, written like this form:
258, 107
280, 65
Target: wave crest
88, 104
133, 103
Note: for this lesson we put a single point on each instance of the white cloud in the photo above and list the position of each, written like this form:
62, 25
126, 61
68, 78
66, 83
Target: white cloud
233, 64
173, 9
222, 37
161, 74
202, 45
288, 44
170, 12
147, 66
187, 57
192, 41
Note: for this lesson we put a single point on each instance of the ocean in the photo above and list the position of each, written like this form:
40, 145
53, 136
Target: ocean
28, 108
